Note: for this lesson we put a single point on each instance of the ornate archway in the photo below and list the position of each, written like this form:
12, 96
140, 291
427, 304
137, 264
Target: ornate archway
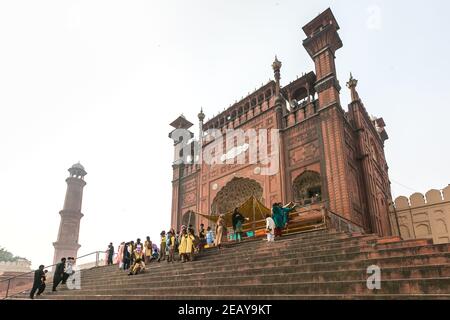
307, 188
189, 217
234, 193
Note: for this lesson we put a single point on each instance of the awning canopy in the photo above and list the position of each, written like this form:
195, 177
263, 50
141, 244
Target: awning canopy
252, 209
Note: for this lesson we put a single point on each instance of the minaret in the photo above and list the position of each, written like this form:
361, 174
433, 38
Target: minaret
69, 227
201, 118
279, 112
322, 42
178, 167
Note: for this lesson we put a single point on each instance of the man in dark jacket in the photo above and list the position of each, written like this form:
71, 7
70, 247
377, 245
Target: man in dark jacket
110, 253
59, 273
126, 257
38, 274
42, 287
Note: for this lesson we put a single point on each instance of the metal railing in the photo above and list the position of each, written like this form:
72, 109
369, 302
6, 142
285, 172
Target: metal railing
23, 282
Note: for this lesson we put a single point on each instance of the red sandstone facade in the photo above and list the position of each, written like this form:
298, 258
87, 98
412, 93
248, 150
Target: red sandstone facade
327, 154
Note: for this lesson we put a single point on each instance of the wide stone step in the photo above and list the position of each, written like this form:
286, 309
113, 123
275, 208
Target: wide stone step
313, 265
403, 286
293, 259
426, 271
329, 249
260, 247
241, 258
268, 248
198, 280
226, 256
335, 267
283, 244
250, 297
398, 261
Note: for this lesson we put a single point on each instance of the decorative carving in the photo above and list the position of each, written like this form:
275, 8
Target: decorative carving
302, 155
190, 185
307, 134
235, 192
189, 198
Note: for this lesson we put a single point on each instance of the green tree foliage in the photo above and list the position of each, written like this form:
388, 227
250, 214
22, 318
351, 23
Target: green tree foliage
5, 255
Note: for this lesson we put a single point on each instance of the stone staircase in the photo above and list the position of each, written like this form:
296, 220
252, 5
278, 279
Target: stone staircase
314, 265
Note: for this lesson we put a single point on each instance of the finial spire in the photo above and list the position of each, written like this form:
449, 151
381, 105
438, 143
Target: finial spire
276, 66
201, 115
351, 84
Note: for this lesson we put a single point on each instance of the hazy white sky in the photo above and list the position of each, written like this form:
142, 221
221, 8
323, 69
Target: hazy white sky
99, 82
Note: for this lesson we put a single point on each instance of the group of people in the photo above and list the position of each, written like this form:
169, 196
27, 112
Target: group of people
63, 270
134, 256
185, 242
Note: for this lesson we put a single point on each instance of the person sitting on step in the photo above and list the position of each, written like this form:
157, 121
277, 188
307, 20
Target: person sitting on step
139, 264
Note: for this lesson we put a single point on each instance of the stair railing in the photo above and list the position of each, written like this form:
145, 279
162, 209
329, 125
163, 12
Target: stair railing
342, 224
25, 280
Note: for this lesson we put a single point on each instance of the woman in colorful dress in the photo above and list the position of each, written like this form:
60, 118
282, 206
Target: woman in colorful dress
280, 216
119, 258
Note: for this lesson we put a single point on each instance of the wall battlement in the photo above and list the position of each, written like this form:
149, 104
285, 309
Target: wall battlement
16, 266
423, 216
418, 200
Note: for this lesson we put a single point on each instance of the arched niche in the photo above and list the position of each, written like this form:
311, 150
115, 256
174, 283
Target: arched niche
189, 218
307, 188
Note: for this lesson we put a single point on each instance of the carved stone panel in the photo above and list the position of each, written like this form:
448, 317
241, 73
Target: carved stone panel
305, 154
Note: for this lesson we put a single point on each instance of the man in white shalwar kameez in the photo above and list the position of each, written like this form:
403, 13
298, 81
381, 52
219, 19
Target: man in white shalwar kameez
270, 228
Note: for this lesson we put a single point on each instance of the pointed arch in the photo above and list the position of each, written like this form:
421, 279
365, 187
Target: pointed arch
234, 193
307, 187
